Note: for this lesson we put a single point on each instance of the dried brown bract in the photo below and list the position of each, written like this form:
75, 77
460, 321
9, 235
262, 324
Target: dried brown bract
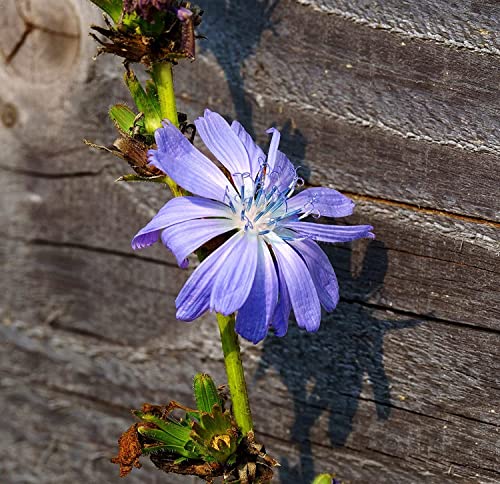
170, 38
130, 449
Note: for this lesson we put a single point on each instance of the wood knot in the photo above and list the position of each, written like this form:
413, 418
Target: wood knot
8, 115
39, 40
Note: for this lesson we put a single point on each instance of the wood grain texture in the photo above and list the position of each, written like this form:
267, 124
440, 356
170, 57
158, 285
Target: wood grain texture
394, 103
425, 111
471, 25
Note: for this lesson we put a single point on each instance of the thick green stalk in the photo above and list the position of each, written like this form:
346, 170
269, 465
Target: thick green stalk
235, 373
163, 78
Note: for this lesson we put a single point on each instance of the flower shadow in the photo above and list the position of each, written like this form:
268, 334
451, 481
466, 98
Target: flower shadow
326, 371
232, 33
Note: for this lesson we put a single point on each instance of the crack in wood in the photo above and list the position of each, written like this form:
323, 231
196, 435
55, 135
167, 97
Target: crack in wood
19, 43
419, 209
58, 326
102, 250
105, 404
55, 176
428, 317
30, 27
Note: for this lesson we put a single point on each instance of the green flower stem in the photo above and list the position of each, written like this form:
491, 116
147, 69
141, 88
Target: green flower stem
163, 77
235, 372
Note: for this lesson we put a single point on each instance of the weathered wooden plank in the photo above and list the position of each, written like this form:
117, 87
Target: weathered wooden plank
405, 395
52, 101
422, 263
374, 162
418, 89
394, 123
60, 437
89, 290
467, 25
88, 327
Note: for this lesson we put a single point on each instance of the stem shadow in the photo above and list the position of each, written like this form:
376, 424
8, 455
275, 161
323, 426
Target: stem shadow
233, 30
326, 371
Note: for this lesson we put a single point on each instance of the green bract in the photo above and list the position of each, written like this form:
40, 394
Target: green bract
216, 435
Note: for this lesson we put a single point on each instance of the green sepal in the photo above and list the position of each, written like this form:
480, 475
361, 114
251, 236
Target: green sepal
191, 416
168, 442
152, 92
135, 23
132, 177
152, 119
112, 7
216, 435
151, 449
205, 393
123, 117
176, 432
323, 479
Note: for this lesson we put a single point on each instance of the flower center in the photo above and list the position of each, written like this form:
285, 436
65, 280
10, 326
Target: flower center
261, 202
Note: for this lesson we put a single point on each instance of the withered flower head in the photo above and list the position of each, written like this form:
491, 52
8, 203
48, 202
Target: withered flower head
151, 31
146, 8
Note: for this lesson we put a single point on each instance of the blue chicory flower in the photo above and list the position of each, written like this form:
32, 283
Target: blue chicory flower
270, 262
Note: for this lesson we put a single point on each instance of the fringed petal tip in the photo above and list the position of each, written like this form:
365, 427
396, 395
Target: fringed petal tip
280, 331
254, 338
153, 159
140, 241
185, 318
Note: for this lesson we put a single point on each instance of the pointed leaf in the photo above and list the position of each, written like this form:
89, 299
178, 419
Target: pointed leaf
143, 102
152, 93
112, 7
123, 117
205, 393
132, 177
323, 479
175, 433
167, 440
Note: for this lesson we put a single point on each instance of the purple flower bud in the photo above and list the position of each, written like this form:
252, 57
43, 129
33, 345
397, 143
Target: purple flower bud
183, 14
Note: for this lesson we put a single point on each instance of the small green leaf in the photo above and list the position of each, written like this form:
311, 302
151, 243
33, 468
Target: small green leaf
152, 119
152, 93
176, 433
112, 7
132, 177
205, 393
323, 479
123, 117
151, 449
168, 441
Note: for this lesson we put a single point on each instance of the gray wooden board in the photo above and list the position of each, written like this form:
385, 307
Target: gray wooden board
371, 383
426, 111
394, 103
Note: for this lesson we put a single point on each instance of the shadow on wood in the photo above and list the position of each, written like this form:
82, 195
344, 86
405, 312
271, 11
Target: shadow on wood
232, 45
328, 374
